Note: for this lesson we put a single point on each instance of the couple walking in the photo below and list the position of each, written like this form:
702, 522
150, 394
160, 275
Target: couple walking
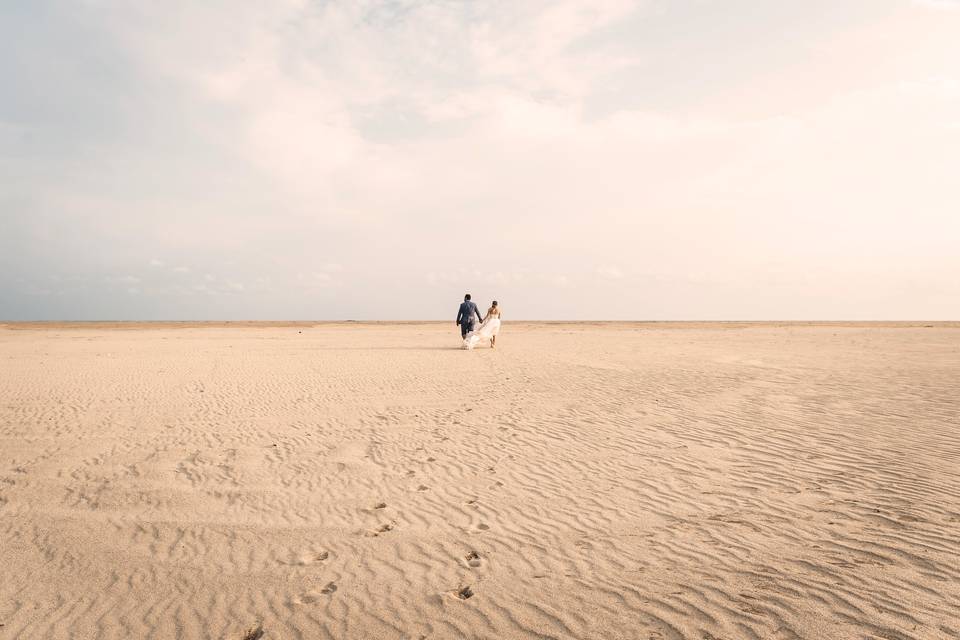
489, 325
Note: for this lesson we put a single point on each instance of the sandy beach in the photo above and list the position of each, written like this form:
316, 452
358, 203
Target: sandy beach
582, 480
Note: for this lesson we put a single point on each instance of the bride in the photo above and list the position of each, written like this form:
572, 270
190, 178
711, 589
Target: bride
487, 331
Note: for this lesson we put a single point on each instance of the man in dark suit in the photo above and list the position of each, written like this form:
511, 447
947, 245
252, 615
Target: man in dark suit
465, 316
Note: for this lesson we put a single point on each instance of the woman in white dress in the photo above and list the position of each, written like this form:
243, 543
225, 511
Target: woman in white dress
487, 331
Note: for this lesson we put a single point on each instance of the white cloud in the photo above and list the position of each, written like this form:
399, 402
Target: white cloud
127, 279
610, 272
497, 147
949, 5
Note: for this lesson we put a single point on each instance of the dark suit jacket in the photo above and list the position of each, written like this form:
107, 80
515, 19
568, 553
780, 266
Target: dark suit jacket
466, 313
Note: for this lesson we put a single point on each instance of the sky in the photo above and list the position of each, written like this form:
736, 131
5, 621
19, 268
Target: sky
573, 159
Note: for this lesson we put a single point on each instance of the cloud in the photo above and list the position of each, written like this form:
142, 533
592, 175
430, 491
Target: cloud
497, 147
128, 279
609, 272
949, 5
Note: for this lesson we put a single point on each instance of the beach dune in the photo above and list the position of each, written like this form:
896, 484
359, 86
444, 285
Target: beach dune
582, 480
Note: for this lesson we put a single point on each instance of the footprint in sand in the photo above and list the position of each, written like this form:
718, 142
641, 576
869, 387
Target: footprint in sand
380, 530
313, 595
307, 598
473, 559
422, 488
464, 592
483, 527
380, 505
309, 558
254, 633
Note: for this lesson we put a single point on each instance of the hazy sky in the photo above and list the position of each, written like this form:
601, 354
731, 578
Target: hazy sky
659, 159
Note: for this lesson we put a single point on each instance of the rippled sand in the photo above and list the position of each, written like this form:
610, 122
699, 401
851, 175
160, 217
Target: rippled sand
580, 481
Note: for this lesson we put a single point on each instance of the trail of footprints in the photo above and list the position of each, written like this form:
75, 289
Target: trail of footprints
797, 477
472, 560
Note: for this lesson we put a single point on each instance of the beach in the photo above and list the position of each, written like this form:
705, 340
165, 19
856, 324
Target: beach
582, 480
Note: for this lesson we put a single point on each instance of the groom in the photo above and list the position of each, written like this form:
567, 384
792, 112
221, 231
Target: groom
465, 316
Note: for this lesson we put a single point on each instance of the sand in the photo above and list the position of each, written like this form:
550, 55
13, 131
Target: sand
580, 481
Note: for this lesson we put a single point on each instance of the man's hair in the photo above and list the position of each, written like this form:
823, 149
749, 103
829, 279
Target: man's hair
466, 297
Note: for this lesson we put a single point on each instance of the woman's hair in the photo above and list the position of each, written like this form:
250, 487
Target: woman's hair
494, 303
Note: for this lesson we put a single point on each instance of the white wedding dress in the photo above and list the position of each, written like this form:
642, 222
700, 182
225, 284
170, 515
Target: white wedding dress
482, 334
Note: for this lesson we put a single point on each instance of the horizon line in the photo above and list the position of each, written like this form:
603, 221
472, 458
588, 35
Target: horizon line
821, 321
